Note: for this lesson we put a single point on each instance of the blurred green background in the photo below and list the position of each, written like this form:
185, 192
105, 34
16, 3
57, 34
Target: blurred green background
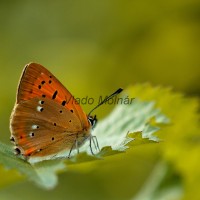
94, 47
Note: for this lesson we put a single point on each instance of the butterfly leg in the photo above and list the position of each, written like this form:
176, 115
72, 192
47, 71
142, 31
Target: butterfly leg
70, 151
95, 142
93, 139
75, 144
91, 145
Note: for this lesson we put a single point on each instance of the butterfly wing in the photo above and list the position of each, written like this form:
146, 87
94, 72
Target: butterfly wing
46, 118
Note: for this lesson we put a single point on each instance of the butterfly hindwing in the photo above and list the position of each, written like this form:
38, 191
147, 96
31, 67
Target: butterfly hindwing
41, 127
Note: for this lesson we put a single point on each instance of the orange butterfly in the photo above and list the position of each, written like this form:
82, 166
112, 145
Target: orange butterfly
46, 119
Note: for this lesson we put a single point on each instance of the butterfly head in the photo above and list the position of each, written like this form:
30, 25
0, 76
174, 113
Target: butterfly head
92, 120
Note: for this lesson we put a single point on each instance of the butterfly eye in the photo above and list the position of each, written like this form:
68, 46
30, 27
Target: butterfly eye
92, 120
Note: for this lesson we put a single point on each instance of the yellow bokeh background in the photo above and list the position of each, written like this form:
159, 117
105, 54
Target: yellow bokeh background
95, 47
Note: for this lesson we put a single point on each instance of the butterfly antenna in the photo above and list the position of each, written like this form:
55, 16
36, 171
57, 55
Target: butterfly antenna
106, 99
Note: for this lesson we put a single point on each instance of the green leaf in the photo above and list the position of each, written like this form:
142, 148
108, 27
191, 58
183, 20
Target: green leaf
181, 146
41, 173
129, 125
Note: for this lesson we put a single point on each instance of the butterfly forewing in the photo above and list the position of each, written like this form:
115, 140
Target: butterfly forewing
37, 81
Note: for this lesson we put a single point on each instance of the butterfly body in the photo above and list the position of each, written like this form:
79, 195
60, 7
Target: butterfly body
46, 119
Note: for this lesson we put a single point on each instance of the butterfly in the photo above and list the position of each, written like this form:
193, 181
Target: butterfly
46, 119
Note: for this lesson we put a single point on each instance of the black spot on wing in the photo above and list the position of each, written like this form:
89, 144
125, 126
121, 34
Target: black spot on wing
12, 139
17, 151
63, 103
54, 94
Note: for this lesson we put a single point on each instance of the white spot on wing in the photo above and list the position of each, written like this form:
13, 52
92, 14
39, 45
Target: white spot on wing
39, 108
34, 126
31, 134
